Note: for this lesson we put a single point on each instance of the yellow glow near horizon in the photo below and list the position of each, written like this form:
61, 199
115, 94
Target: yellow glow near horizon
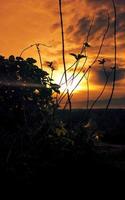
81, 87
71, 86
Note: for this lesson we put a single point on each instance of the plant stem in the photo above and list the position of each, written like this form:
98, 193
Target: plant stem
115, 54
81, 51
40, 59
63, 52
87, 83
71, 94
101, 93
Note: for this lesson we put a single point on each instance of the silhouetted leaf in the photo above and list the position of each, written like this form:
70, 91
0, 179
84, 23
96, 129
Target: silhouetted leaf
56, 90
11, 58
31, 60
1, 58
86, 44
78, 56
19, 58
55, 85
102, 61
113, 68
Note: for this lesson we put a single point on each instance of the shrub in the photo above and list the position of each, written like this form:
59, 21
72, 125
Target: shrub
26, 91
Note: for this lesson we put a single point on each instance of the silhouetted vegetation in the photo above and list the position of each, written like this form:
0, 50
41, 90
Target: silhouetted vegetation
35, 134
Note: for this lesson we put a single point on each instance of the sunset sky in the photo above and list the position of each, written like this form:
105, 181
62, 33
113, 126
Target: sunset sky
25, 22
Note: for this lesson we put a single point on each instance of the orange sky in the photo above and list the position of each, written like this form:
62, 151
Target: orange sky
23, 23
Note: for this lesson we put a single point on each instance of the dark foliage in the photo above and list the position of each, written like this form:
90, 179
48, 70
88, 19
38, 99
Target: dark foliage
32, 139
24, 91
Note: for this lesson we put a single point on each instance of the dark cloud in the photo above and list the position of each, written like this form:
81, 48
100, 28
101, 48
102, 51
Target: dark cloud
116, 103
106, 3
70, 29
99, 76
120, 75
121, 2
101, 18
66, 2
83, 27
98, 2
100, 22
121, 22
55, 26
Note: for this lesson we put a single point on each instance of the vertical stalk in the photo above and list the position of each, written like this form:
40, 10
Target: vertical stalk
51, 73
115, 54
40, 59
88, 92
63, 52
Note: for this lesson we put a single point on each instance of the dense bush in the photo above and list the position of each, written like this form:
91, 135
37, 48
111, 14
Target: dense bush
26, 91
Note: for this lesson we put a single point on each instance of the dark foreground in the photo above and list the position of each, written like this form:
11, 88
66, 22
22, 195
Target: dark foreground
30, 159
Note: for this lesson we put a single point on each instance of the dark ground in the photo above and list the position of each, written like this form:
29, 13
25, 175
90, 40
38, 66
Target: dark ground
112, 122
50, 161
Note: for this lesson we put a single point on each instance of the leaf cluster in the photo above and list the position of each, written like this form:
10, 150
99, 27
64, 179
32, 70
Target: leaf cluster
25, 88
